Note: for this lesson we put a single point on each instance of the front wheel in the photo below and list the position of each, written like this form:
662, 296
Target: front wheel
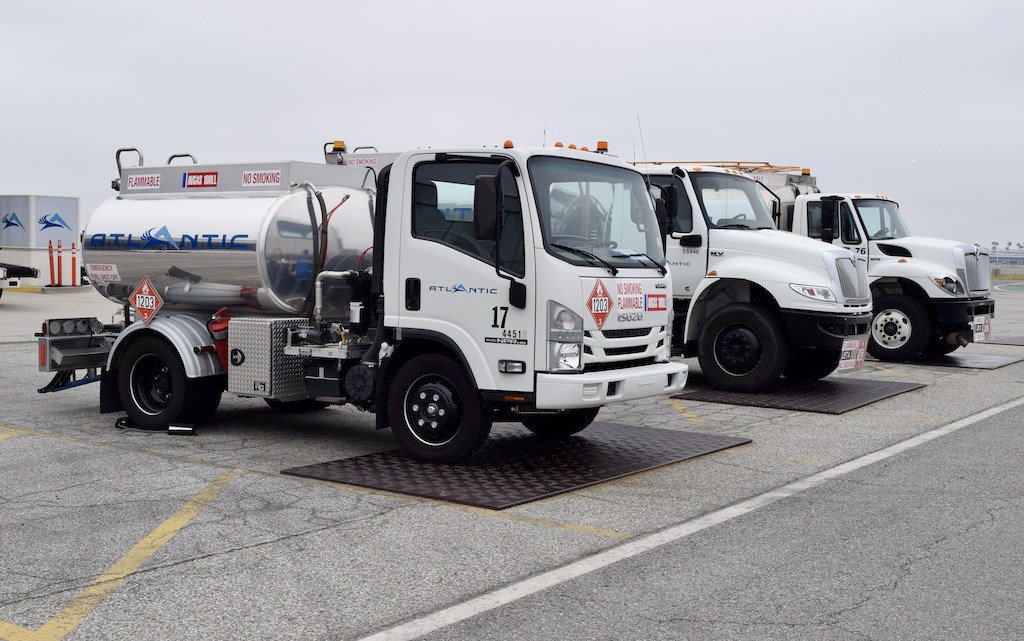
436, 414
900, 328
562, 424
742, 349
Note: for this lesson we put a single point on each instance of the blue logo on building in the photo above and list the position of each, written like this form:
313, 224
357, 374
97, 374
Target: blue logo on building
161, 238
11, 220
54, 220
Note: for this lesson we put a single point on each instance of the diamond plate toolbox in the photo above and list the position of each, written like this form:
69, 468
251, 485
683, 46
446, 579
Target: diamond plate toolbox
257, 364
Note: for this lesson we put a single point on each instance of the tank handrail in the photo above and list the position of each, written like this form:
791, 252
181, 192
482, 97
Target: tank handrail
117, 157
173, 156
365, 147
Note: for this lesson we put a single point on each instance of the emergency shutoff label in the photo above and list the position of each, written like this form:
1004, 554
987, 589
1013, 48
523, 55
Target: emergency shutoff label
599, 303
146, 300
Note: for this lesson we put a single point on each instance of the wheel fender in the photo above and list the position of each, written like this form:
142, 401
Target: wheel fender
713, 293
188, 335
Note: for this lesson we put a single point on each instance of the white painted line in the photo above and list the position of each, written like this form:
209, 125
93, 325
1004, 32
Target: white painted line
503, 596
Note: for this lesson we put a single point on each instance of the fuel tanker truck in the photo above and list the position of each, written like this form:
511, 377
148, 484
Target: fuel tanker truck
442, 290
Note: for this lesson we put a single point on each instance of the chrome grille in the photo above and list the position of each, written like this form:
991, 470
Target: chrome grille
853, 278
977, 277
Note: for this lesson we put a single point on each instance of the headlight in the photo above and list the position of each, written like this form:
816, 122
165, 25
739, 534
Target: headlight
817, 293
948, 283
565, 339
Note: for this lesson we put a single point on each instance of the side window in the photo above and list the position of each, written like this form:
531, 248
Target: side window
442, 211
680, 213
848, 226
814, 219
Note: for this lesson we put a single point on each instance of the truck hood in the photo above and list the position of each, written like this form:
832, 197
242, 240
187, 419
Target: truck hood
780, 244
934, 249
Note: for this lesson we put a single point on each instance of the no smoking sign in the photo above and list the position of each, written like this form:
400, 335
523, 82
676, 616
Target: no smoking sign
146, 300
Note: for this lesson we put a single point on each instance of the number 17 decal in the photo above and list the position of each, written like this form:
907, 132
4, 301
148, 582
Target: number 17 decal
504, 315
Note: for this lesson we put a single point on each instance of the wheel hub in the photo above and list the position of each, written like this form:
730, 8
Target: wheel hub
738, 350
891, 328
431, 412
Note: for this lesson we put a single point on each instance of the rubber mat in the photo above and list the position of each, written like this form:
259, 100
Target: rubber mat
825, 396
962, 358
514, 466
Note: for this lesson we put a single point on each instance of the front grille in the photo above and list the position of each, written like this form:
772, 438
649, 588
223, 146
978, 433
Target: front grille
604, 367
627, 333
853, 278
620, 351
978, 278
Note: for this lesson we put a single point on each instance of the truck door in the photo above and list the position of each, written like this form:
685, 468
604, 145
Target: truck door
686, 247
450, 285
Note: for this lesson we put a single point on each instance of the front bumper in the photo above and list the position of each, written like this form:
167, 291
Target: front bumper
593, 389
956, 312
817, 329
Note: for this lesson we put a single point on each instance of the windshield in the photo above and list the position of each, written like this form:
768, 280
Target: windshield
732, 202
881, 219
595, 214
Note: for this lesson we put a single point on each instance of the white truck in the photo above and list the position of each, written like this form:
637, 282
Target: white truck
931, 296
753, 303
443, 290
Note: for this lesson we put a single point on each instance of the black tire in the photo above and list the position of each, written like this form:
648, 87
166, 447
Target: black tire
152, 385
436, 414
742, 349
900, 328
939, 347
811, 364
563, 424
295, 407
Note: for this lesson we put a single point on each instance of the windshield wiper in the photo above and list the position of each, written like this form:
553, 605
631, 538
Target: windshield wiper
733, 226
660, 267
586, 254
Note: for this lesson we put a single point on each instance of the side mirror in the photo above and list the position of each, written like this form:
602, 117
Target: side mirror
517, 294
828, 220
661, 213
485, 208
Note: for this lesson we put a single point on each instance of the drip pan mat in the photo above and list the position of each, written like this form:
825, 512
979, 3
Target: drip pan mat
825, 396
515, 466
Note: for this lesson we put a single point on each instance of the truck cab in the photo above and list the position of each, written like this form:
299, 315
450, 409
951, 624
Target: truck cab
753, 303
931, 296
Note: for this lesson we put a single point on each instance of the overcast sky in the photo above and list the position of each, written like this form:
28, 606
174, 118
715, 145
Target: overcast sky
921, 101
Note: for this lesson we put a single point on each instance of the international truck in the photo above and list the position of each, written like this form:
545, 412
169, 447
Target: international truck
441, 289
930, 296
753, 303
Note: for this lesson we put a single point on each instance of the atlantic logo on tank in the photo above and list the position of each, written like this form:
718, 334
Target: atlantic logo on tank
162, 238
11, 220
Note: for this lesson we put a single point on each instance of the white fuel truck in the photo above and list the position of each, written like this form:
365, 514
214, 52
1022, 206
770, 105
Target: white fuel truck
753, 303
931, 296
443, 290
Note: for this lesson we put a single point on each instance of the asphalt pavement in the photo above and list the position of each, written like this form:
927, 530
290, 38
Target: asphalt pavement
900, 519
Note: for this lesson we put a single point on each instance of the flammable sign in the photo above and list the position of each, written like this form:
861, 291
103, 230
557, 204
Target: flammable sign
146, 300
600, 303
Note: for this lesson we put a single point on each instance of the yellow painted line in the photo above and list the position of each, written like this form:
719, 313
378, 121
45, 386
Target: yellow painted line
772, 456
686, 412
6, 434
68, 619
891, 371
998, 348
906, 418
545, 522
351, 489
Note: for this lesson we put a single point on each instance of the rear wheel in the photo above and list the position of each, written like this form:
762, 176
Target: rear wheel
900, 328
436, 414
562, 424
152, 385
812, 363
742, 349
